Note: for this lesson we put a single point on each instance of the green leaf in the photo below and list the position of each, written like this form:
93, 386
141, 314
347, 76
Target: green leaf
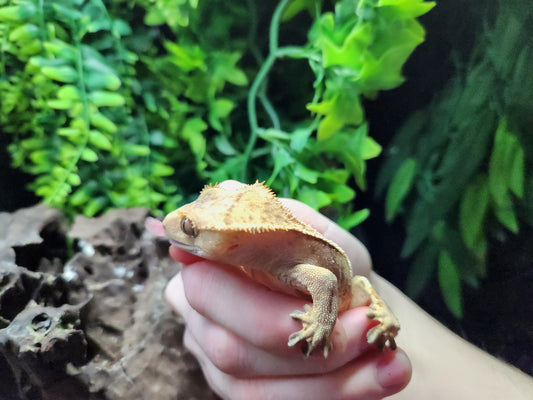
230, 168
80, 197
187, 57
57, 104
96, 18
66, 13
343, 109
70, 132
295, 6
505, 213
422, 269
94, 206
305, 174
497, 167
162, 170
24, 33
138, 150
36, 63
192, 132
336, 175
341, 47
31, 48
342, 193
62, 50
313, 197
226, 70
517, 172
472, 211
67, 151
10, 13
224, 145
282, 158
346, 147
219, 109
354, 219
300, 138
64, 74
68, 92
100, 121
506, 167
102, 80
89, 155
407, 9
74, 179
102, 98
23, 11
79, 123
99, 140
370, 148
121, 28
450, 284
399, 187
39, 156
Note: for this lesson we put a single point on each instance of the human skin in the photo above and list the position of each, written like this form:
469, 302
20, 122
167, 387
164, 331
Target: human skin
238, 331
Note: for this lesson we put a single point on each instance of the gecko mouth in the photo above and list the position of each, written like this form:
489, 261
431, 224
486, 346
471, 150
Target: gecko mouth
189, 248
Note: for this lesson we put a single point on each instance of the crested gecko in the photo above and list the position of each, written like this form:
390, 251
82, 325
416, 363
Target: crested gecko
247, 226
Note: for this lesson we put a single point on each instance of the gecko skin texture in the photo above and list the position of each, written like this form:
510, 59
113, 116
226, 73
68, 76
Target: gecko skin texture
247, 226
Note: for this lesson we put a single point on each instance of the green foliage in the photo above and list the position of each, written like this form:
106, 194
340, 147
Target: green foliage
461, 169
138, 103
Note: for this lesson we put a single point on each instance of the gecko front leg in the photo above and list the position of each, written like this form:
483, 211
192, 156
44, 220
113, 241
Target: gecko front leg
319, 319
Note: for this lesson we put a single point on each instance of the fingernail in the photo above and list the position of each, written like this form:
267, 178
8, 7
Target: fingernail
394, 371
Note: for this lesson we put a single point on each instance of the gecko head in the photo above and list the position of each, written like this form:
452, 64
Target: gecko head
189, 233
222, 218
183, 232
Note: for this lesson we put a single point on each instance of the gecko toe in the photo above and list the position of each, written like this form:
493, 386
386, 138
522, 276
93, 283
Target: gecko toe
314, 333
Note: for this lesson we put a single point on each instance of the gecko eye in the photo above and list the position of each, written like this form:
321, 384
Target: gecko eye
188, 227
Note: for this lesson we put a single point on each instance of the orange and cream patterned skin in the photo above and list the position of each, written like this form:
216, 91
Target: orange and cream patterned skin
246, 226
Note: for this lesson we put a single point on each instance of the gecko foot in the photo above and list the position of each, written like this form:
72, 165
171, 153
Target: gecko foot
314, 332
386, 330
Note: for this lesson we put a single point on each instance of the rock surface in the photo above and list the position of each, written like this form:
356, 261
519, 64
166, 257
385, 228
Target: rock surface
82, 313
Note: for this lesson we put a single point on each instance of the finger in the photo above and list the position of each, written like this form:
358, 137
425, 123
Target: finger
234, 356
248, 308
226, 351
371, 377
231, 185
355, 250
175, 297
260, 318
154, 226
182, 256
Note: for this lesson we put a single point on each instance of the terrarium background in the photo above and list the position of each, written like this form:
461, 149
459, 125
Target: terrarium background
497, 316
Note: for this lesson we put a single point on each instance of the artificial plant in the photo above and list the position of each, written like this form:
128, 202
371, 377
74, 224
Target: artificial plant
459, 171
140, 102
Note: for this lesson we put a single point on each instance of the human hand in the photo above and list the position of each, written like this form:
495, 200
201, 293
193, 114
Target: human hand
238, 330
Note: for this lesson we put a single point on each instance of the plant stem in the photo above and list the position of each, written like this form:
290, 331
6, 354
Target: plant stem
254, 89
